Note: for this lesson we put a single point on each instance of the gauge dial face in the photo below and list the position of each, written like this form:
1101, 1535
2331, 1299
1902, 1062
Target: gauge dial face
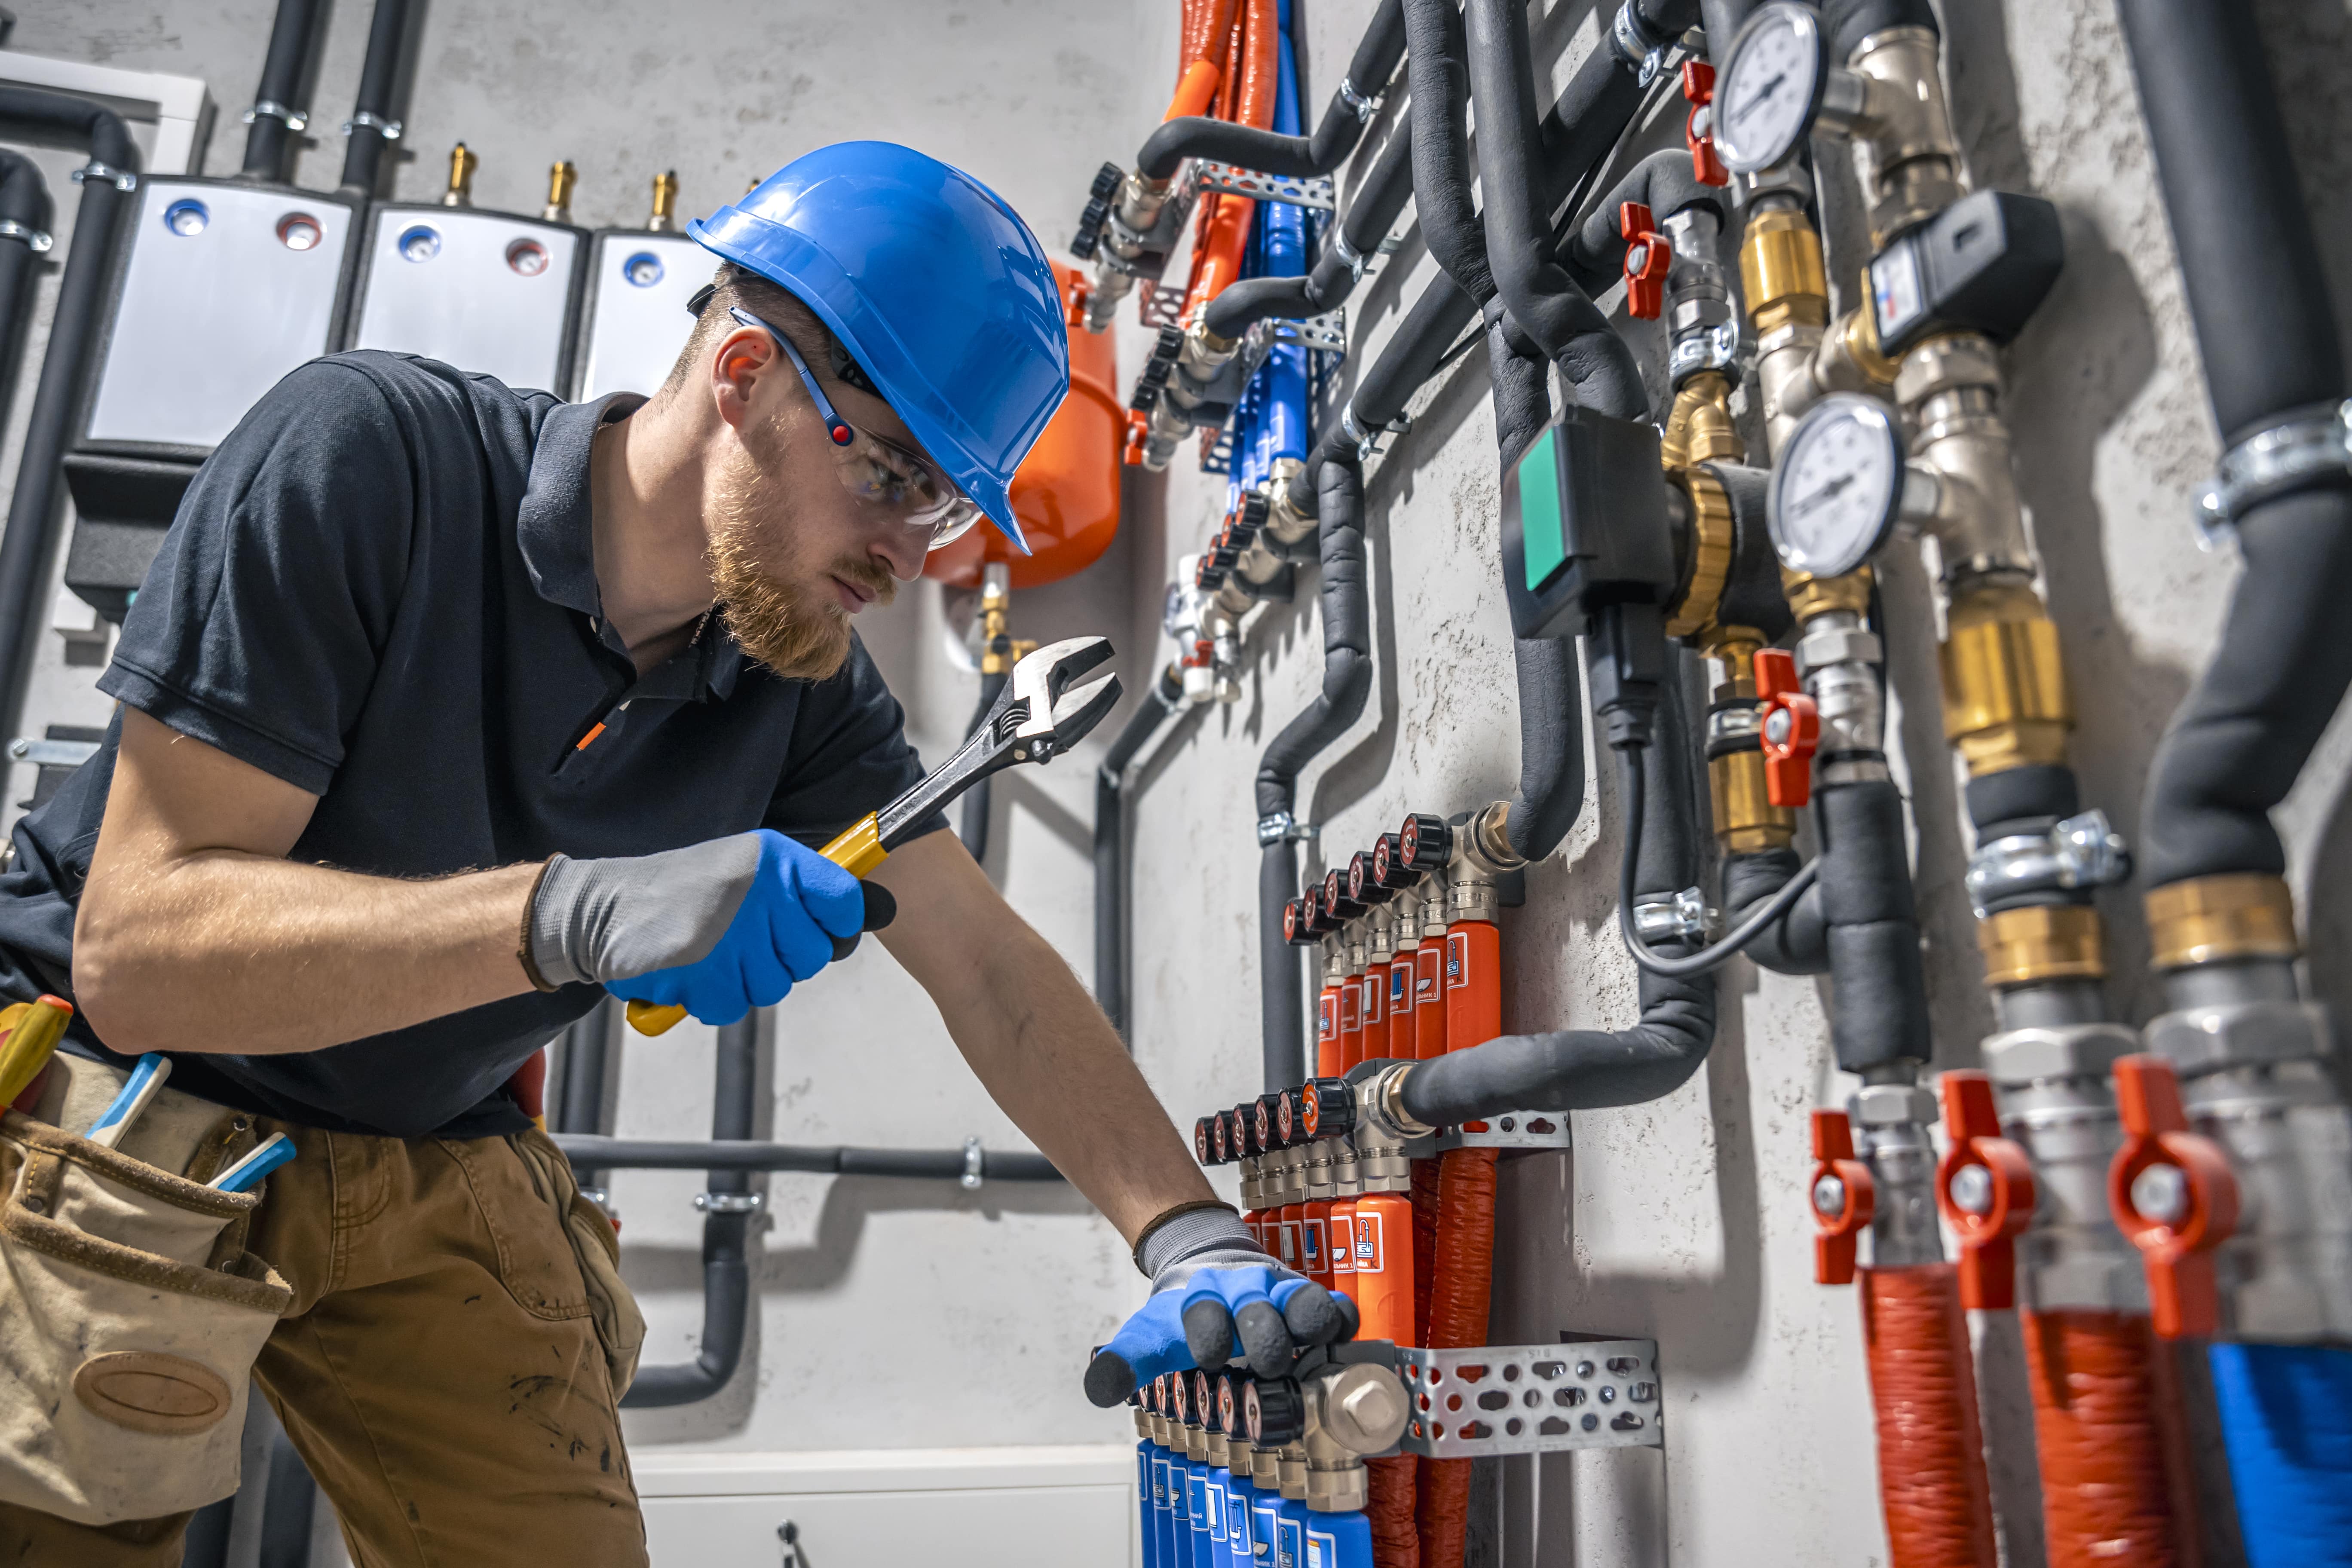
1769, 88
1839, 483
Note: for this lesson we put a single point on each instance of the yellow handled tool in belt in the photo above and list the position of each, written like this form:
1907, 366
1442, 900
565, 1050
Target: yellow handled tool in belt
33, 1030
1035, 719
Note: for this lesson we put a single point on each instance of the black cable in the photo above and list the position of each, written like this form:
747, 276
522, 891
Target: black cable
1706, 958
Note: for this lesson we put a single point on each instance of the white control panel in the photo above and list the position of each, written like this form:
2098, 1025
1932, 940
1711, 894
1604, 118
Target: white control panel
483, 291
227, 288
637, 321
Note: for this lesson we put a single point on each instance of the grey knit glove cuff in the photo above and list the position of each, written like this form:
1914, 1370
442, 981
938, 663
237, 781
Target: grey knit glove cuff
616, 919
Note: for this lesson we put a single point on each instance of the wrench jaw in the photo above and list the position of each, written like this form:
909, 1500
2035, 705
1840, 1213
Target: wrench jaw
1041, 679
1077, 713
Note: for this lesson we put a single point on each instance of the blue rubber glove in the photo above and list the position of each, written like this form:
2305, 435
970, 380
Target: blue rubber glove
1211, 1286
718, 928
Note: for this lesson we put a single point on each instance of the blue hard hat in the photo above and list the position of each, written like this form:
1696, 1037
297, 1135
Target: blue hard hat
934, 286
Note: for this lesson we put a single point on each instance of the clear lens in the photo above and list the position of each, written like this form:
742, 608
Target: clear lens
886, 476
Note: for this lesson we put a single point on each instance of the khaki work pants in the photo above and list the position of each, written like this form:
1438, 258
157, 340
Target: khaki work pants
438, 1369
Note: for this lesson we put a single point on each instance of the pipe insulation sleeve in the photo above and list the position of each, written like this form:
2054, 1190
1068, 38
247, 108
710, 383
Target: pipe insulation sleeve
1878, 986
1722, 20
269, 139
1437, 67
2286, 1417
1849, 22
2099, 1432
1796, 944
1346, 609
973, 827
1166, 696
1396, 1540
1458, 1299
35, 509
2257, 293
1663, 182
1270, 153
379, 73
1541, 296
1931, 1468
23, 201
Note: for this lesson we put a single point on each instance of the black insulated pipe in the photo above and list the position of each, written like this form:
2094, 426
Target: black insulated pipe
1849, 22
1158, 704
1585, 1069
1541, 296
1796, 944
1372, 210
726, 1261
1346, 608
973, 828
2258, 295
1721, 20
1439, 70
1270, 153
1664, 182
1878, 986
35, 509
279, 99
1408, 358
373, 124
589, 1152
24, 202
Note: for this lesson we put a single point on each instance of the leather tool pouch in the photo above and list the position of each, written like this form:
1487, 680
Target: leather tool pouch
131, 1313
620, 1326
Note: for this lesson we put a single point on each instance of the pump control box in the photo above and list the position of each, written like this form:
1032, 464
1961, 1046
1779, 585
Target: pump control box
635, 320
493, 292
1982, 264
1586, 522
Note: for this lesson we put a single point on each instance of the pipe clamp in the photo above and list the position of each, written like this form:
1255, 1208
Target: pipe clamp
1360, 103
363, 121
1711, 348
975, 1166
37, 239
1368, 442
1283, 828
2270, 463
1643, 50
269, 108
1677, 916
122, 179
730, 1203
2082, 852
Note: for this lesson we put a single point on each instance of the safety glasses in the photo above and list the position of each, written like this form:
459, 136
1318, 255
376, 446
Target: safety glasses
879, 473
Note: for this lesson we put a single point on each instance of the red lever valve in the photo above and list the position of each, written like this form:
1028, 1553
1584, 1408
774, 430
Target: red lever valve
1843, 1198
2174, 1195
1790, 729
1985, 1186
1698, 131
1648, 259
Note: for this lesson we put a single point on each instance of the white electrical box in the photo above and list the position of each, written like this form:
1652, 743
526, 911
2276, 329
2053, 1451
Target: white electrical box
490, 292
226, 288
636, 318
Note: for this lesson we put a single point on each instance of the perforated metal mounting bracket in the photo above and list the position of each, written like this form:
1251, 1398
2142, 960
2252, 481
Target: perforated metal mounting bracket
1312, 192
1327, 331
1532, 1399
1514, 1130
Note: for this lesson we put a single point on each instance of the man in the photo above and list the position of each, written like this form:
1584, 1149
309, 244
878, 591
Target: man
445, 708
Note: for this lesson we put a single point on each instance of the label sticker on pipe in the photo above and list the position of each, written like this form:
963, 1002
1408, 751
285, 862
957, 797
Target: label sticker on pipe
1457, 960
1326, 1015
1373, 988
1351, 1008
1310, 1246
1399, 979
1368, 1244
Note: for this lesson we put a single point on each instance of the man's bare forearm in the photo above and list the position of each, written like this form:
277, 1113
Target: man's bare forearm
226, 951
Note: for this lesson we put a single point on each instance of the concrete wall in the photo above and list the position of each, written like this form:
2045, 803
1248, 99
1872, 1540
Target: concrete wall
894, 1315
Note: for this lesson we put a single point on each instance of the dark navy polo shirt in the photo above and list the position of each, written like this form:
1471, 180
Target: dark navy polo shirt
382, 589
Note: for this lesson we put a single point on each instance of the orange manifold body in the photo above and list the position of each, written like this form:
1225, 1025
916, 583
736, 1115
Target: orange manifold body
1314, 1238
1403, 1017
1473, 984
1351, 1021
1286, 1223
1923, 1382
1376, 1013
1383, 1288
1327, 1033
1429, 1000
1339, 1244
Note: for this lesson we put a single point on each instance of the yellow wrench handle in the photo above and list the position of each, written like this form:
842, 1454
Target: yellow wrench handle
858, 850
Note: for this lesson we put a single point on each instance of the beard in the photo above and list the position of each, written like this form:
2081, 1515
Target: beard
793, 624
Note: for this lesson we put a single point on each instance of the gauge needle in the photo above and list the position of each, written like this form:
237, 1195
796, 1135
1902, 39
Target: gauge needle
1827, 492
1763, 95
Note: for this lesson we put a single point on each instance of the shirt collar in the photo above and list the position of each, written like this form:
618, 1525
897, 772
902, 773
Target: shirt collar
554, 531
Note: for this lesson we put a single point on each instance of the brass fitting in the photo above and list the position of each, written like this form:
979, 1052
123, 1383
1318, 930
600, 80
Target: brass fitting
560, 178
2004, 686
664, 217
2213, 920
1781, 271
462, 164
1810, 596
1710, 551
1849, 359
999, 652
1746, 820
2041, 942
1699, 427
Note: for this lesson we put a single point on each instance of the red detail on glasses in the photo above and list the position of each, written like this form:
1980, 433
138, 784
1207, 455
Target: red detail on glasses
843, 434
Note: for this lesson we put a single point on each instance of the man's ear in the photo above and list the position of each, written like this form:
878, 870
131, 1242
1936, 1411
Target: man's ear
741, 363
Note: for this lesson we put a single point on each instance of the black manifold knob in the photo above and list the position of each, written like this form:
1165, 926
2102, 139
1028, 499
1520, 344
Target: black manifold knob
1388, 868
1106, 179
1232, 1415
1251, 517
1208, 576
1265, 1122
1274, 1413
1425, 842
1204, 1149
1362, 884
1084, 244
1298, 919
1239, 1139
1221, 1139
1327, 1109
1321, 919
1336, 899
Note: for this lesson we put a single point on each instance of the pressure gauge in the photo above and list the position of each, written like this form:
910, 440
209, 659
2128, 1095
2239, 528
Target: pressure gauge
1770, 88
1838, 487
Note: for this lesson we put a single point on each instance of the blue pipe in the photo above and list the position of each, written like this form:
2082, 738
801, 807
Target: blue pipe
2286, 1417
1338, 1541
1145, 1512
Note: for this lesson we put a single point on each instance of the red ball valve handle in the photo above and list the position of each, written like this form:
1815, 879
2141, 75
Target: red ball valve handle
1791, 729
1843, 1198
1699, 130
2174, 1195
1985, 1186
1648, 259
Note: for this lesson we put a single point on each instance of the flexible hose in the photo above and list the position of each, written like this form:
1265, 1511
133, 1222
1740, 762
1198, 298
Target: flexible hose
1457, 1318
363, 154
1396, 1535
1931, 1468
2098, 1429
2286, 1418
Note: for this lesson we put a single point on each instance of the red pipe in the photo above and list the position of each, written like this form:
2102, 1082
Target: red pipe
1217, 254
1457, 1318
1931, 1468
2100, 1426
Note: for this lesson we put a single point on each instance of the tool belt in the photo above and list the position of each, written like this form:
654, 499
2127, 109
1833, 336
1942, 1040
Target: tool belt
131, 1313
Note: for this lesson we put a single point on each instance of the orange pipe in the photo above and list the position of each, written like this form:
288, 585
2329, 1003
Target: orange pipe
1376, 1013
1351, 1021
1328, 1062
1217, 256
1404, 1021
1457, 1318
1196, 92
1429, 1000
1396, 1541
2100, 1428
1473, 984
1383, 1289
1931, 1468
